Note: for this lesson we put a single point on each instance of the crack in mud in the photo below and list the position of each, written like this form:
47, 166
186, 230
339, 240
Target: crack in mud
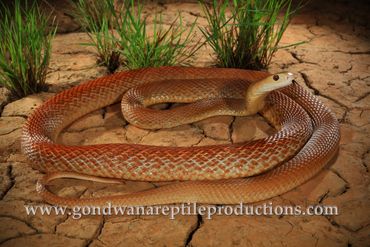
193, 231
363, 157
231, 129
21, 220
11, 131
97, 233
300, 60
317, 92
10, 175
201, 131
347, 70
16, 237
353, 52
63, 220
362, 97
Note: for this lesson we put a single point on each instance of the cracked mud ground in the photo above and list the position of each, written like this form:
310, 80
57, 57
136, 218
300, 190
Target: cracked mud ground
334, 64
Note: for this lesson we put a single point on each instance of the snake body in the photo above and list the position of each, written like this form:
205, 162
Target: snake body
303, 122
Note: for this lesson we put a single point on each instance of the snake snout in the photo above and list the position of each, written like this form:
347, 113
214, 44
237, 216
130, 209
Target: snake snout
287, 78
290, 76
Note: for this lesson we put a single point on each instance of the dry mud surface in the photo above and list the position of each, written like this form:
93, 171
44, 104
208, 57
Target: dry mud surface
334, 64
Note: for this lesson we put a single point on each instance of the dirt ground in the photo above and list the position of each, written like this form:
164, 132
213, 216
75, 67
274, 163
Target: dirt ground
333, 64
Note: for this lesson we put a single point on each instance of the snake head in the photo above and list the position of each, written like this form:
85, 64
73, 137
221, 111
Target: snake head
275, 81
281, 80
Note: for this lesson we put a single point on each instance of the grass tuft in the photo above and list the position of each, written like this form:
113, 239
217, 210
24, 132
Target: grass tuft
246, 33
97, 18
160, 46
25, 45
91, 14
132, 42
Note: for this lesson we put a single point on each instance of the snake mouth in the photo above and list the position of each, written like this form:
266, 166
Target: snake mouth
290, 76
287, 79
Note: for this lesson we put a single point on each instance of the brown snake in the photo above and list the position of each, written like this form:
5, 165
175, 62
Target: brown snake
303, 121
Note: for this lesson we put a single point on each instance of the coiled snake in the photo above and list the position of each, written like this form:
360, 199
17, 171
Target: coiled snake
307, 137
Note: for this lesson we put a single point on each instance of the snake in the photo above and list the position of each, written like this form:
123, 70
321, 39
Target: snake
307, 137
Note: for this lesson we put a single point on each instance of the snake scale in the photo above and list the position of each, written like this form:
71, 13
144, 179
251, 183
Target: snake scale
307, 137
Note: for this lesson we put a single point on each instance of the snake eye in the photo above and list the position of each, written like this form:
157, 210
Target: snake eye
275, 77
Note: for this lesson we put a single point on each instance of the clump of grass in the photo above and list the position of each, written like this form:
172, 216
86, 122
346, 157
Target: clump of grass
25, 46
97, 18
130, 42
161, 47
246, 33
88, 12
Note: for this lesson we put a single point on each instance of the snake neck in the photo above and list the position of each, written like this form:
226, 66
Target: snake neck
256, 97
